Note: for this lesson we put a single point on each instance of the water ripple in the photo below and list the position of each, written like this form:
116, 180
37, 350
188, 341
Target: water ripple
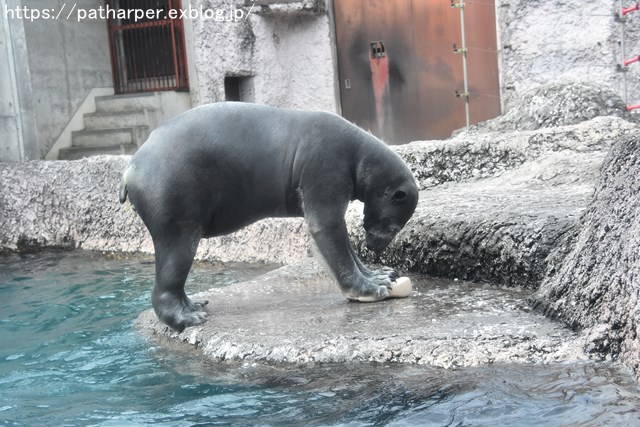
70, 356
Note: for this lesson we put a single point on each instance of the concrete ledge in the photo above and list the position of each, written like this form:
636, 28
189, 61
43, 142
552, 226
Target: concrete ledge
472, 156
495, 206
285, 7
297, 315
485, 231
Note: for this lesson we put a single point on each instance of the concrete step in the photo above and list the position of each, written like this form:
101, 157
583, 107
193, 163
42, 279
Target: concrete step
118, 103
102, 137
114, 120
75, 153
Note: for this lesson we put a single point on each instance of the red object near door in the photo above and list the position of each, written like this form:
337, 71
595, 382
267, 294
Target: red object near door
409, 92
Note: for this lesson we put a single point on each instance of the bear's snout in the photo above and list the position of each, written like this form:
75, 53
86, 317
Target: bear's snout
378, 242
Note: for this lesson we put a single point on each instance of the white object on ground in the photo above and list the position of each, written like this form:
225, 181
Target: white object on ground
401, 288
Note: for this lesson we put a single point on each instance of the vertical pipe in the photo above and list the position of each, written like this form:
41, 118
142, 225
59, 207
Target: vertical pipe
166, 77
464, 63
623, 53
124, 72
184, 75
150, 58
112, 50
136, 38
157, 54
162, 64
168, 26
117, 40
143, 48
132, 58
140, 45
174, 53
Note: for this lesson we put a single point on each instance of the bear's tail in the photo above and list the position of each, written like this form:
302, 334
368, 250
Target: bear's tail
123, 185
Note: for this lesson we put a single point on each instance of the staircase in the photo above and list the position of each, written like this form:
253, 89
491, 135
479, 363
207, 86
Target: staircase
120, 124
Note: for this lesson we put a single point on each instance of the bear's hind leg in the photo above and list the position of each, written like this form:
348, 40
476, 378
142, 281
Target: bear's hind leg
175, 249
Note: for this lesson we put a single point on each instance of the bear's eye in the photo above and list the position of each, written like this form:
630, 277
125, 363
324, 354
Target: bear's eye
399, 196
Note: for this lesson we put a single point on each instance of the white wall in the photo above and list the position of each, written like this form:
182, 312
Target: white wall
293, 62
288, 54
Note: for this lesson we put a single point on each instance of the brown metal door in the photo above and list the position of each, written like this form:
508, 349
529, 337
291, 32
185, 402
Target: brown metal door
147, 52
398, 71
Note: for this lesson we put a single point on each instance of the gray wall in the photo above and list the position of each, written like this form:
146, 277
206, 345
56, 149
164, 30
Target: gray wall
18, 139
62, 60
286, 57
10, 139
550, 41
66, 59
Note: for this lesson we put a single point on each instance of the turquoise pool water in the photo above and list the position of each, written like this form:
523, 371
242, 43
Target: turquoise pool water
70, 356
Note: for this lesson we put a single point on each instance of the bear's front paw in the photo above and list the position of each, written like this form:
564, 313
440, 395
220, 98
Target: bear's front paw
386, 273
369, 292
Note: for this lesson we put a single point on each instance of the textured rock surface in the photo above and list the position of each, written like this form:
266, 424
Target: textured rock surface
297, 315
488, 231
596, 285
497, 205
556, 104
500, 229
75, 205
66, 204
473, 156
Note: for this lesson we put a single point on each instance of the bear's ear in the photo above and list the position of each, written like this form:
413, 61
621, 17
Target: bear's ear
399, 196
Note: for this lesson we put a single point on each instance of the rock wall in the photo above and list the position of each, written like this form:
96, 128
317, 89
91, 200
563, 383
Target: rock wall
471, 156
545, 41
496, 205
66, 205
74, 204
594, 283
506, 207
556, 104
